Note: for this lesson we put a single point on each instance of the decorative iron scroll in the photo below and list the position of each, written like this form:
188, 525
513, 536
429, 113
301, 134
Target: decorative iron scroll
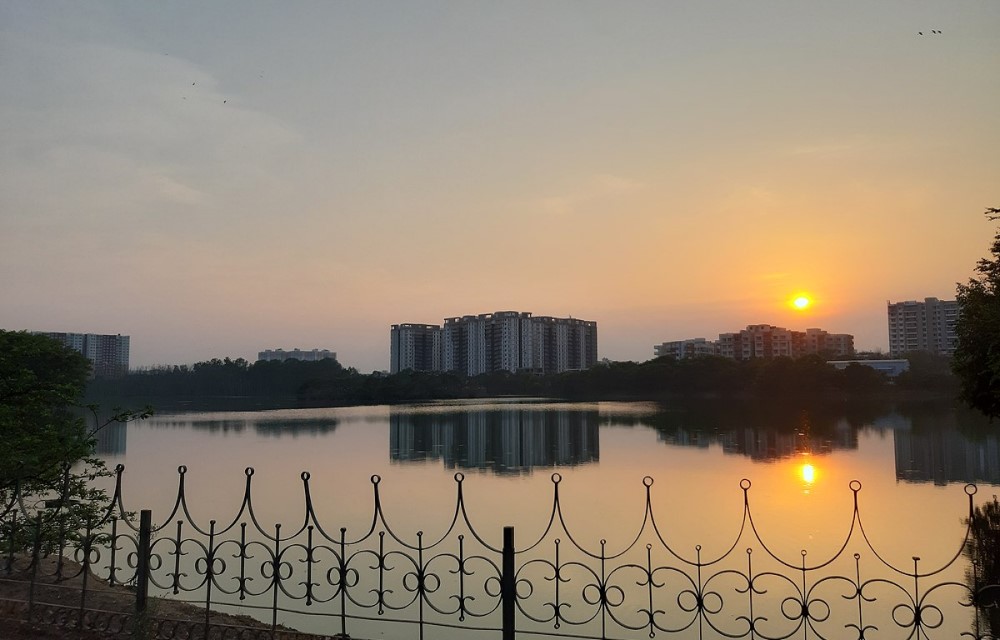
310, 576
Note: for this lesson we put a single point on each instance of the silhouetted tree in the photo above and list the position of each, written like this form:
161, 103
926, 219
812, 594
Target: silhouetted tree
860, 379
977, 354
983, 550
40, 381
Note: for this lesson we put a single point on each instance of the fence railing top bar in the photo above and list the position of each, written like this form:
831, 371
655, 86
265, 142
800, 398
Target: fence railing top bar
459, 518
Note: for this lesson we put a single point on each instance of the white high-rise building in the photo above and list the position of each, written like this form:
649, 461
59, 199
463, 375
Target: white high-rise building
922, 326
108, 354
501, 341
416, 347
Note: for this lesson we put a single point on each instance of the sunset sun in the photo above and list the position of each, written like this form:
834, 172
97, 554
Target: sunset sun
801, 302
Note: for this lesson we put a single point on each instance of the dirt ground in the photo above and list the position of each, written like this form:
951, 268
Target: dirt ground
110, 612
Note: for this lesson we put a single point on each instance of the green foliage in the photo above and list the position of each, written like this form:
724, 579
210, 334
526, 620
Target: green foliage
326, 383
928, 371
40, 381
222, 378
858, 379
977, 355
46, 443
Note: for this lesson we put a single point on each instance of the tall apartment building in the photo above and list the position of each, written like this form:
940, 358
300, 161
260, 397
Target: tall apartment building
313, 355
414, 346
501, 341
762, 341
922, 326
108, 354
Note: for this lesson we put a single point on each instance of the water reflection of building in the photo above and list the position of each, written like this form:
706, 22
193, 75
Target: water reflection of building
505, 441
110, 439
946, 455
766, 444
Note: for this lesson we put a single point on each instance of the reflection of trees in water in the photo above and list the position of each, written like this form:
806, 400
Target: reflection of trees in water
296, 427
762, 431
944, 444
983, 551
272, 427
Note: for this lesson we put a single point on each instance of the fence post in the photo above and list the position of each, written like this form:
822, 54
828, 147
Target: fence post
142, 562
508, 591
36, 558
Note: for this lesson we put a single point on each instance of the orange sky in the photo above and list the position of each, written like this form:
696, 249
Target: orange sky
214, 181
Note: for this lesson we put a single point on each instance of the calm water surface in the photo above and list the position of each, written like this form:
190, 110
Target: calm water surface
912, 466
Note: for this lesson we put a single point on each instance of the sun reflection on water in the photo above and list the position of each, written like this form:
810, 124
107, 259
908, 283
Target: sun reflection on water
808, 473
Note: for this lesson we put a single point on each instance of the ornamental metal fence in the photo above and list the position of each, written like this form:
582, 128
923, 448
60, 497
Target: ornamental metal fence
468, 582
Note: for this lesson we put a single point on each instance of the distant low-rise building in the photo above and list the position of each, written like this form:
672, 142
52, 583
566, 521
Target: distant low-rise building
680, 349
890, 368
108, 354
922, 326
762, 341
313, 355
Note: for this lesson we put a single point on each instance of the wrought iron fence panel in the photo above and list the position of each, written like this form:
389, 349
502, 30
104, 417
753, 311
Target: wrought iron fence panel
554, 584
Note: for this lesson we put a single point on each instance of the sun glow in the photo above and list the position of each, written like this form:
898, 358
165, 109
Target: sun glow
808, 473
801, 302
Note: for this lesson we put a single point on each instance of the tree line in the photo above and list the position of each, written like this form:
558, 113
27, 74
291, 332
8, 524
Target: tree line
327, 383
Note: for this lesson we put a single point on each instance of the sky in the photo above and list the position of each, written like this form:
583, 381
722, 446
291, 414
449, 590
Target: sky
216, 179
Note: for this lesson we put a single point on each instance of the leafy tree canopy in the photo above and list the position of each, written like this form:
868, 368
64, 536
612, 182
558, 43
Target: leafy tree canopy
44, 439
977, 354
41, 380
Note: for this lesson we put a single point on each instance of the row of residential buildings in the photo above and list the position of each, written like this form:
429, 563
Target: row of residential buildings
927, 325
518, 341
761, 341
501, 341
108, 354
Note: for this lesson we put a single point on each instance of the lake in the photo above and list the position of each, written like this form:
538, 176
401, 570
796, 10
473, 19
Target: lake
612, 465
